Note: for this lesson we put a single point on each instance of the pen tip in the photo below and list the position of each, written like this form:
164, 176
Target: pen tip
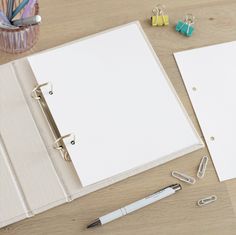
95, 224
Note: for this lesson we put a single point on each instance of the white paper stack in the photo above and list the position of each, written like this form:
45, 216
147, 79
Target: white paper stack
209, 74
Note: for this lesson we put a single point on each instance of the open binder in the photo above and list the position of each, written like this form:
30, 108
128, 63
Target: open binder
36, 170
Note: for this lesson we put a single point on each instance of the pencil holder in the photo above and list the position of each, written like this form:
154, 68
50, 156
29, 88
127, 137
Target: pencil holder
20, 39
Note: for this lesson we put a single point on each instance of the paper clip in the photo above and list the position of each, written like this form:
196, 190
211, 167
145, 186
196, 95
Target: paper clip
159, 18
207, 200
185, 27
183, 177
202, 167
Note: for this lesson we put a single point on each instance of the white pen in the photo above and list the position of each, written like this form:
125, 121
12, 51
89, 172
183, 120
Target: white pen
27, 21
163, 193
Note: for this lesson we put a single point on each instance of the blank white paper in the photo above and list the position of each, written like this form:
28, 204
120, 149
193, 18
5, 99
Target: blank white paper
209, 74
111, 91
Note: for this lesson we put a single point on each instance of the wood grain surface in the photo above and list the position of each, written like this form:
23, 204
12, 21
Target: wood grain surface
66, 20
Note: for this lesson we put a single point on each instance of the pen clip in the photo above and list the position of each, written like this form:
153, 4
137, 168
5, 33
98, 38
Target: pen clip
176, 187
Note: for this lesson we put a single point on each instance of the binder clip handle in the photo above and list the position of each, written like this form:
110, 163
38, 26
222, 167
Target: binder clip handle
159, 9
189, 19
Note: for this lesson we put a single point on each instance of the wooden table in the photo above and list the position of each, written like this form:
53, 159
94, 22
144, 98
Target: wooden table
66, 20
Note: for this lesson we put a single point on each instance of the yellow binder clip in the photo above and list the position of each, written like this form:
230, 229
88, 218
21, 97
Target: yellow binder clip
159, 18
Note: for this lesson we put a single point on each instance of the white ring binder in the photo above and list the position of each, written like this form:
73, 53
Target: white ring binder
59, 143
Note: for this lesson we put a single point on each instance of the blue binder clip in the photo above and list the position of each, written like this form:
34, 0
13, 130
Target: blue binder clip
185, 27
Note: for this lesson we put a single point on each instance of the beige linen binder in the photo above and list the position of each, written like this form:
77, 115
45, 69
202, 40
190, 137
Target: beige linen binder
34, 176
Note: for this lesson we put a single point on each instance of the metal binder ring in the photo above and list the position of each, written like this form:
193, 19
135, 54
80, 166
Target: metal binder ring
58, 144
35, 94
66, 155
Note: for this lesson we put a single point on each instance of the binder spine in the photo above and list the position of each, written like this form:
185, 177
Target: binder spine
59, 143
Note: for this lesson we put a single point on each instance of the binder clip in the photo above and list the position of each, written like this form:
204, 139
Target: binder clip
183, 177
207, 200
159, 18
185, 27
202, 167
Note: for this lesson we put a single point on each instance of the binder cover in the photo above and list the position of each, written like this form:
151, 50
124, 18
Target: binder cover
27, 148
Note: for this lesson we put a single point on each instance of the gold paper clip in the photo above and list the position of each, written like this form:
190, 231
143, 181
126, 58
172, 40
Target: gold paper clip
202, 167
183, 177
207, 200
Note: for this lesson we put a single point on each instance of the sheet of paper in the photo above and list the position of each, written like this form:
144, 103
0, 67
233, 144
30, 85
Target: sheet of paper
209, 74
111, 91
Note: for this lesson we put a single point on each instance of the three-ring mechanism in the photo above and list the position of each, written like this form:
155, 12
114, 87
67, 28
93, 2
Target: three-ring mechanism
58, 144
36, 92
